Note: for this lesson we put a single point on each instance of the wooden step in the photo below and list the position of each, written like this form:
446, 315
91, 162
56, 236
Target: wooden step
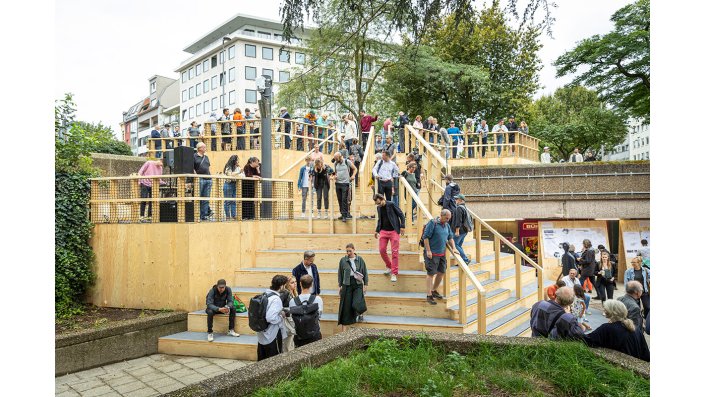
196, 344
330, 259
300, 225
523, 329
362, 241
506, 281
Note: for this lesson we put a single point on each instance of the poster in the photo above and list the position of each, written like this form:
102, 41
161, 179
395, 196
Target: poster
554, 237
632, 243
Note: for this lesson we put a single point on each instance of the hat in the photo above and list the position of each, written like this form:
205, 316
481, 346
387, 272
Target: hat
545, 147
220, 283
459, 196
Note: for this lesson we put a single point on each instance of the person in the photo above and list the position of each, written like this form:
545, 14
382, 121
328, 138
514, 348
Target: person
512, 127
461, 225
219, 300
320, 174
436, 234
631, 300
550, 291
606, 277
645, 253
384, 171
402, 121
379, 145
571, 279
366, 125
567, 261
410, 176
194, 131
269, 341
454, 133
305, 296
452, 189
387, 127
418, 124
177, 134
589, 156
252, 130
154, 134
546, 156
524, 128
468, 132
304, 184
251, 170
306, 266
232, 168
358, 153
553, 319
317, 154
202, 166
643, 276
587, 263
165, 132
287, 294
349, 130
287, 127
483, 130
619, 333
446, 143
341, 175
576, 157
225, 131
390, 148
149, 168
352, 287
498, 129
578, 307
239, 129
390, 226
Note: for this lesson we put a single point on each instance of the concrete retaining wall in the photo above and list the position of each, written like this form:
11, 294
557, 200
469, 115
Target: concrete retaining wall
123, 341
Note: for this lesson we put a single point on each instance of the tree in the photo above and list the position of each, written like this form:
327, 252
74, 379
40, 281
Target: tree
617, 63
574, 117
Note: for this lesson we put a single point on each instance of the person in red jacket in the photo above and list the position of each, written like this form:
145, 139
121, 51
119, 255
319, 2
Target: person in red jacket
366, 125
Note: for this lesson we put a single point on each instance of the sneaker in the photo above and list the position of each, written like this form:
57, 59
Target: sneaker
210, 337
345, 219
340, 217
394, 278
588, 312
303, 215
233, 333
388, 272
429, 299
436, 295
360, 318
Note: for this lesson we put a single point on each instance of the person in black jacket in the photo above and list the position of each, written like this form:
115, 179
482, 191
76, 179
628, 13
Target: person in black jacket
461, 225
587, 263
567, 261
390, 226
452, 189
307, 267
220, 301
620, 333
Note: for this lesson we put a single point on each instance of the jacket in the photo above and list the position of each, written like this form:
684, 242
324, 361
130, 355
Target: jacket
458, 220
300, 271
616, 336
395, 214
447, 201
344, 271
366, 123
303, 174
629, 276
633, 310
567, 263
543, 314
587, 263
216, 300
155, 134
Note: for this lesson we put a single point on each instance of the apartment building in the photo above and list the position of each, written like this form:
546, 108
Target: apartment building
225, 62
635, 146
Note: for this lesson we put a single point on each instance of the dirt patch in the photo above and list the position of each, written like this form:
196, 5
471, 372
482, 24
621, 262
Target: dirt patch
94, 317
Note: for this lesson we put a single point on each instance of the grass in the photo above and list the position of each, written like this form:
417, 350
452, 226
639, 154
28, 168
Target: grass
414, 367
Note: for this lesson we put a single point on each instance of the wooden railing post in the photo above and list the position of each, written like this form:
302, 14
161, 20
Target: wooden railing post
463, 297
446, 276
481, 314
496, 258
93, 209
217, 193
196, 201
258, 195
539, 280
478, 241
155, 202
134, 193
517, 273
181, 204
352, 206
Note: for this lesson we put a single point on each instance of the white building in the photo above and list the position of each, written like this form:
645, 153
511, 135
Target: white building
225, 63
635, 146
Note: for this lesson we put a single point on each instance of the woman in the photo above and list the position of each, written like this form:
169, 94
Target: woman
232, 168
620, 333
352, 286
251, 170
319, 175
418, 124
391, 148
643, 276
523, 128
587, 263
350, 129
287, 294
605, 282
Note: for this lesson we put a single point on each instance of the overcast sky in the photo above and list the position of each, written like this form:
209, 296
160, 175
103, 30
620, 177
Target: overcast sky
106, 50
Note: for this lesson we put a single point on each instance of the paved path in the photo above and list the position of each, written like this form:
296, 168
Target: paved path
146, 376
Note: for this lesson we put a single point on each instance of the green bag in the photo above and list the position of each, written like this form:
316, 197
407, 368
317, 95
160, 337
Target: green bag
239, 305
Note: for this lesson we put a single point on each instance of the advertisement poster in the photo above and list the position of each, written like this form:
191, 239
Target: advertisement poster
632, 243
554, 237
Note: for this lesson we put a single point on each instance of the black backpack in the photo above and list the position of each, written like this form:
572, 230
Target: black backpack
257, 311
305, 316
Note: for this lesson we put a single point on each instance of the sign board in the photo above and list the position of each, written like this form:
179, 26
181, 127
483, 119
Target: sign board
552, 238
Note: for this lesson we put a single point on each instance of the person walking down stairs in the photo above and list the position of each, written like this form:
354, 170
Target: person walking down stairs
341, 175
352, 286
435, 236
320, 173
390, 226
220, 301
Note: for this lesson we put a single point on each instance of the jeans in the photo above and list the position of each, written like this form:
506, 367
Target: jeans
348, 143
304, 195
386, 189
402, 148
206, 184
385, 236
341, 191
484, 146
230, 190
500, 141
159, 152
145, 192
240, 141
211, 313
365, 136
459, 245
324, 190
604, 289
455, 149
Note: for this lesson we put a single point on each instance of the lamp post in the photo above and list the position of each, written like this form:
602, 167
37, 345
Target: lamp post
264, 86
222, 83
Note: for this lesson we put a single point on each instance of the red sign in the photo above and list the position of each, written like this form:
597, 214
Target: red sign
530, 226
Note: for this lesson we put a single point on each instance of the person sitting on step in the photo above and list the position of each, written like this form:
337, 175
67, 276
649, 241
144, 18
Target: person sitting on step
220, 301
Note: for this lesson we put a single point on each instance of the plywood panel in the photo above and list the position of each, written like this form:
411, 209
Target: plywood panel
629, 225
552, 266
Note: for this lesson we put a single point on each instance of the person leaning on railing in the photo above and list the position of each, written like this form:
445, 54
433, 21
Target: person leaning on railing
482, 130
232, 168
498, 129
468, 132
202, 166
251, 170
149, 168
156, 135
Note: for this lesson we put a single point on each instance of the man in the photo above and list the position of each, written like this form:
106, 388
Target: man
287, 127
269, 341
454, 133
304, 184
226, 130
305, 296
177, 134
435, 236
546, 156
483, 129
379, 145
194, 132
384, 172
402, 121
571, 279
512, 127
201, 166
461, 225
567, 261
239, 129
645, 253
390, 226
155, 134
307, 267
249, 116
589, 156
553, 319
390, 148
220, 301
341, 176
631, 300
499, 129
549, 293
149, 168
366, 125
468, 132
576, 157
166, 133
452, 189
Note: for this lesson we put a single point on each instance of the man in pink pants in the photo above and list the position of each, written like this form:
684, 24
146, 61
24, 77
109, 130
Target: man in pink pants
390, 225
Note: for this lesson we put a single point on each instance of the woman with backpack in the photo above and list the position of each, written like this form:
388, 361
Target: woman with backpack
352, 286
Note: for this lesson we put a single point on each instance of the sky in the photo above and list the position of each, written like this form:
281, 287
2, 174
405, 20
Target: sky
107, 50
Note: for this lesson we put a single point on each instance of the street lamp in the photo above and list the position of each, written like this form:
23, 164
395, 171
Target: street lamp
222, 62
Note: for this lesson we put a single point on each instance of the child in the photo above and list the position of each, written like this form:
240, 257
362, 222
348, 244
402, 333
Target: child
578, 307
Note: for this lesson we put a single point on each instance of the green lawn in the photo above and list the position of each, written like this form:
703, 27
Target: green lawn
413, 367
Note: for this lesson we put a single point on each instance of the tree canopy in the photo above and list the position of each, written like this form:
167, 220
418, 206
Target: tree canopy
575, 117
616, 64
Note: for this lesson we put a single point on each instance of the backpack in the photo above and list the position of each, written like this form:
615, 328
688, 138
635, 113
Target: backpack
305, 316
421, 244
258, 311
468, 223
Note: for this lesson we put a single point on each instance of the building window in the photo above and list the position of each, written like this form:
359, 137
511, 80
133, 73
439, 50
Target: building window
205, 66
190, 112
206, 106
284, 56
278, 37
250, 73
152, 103
220, 57
231, 52
268, 72
153, 87
206, 85
250, 96
250, 51
366, 67
214, 103
647, 140
190, 92
248, 32
267, 53
231, 75
183, 77
214, 82
198, 89
231, 97
283, 77
198, 109
184, 96
300, 58
198, 69
190, 73
214, 61
264, 35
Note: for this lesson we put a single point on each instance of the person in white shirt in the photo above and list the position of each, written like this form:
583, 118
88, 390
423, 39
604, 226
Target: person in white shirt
576, 157
546, 156
269, 341
384, 171
350, 128
306, 283
304, 184
499, 138
482, 130
571, 279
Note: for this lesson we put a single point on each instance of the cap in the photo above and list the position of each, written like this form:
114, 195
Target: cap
545, 147
221, 283
459, 196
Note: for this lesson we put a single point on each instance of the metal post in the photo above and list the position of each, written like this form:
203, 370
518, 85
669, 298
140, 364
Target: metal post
264, 85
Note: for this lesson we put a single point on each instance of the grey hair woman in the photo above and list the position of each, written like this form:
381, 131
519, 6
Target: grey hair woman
619, 333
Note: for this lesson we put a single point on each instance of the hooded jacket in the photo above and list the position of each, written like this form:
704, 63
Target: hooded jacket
215, 300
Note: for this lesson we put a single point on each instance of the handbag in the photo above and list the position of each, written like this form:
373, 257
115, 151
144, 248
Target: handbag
238, 305
358, 276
